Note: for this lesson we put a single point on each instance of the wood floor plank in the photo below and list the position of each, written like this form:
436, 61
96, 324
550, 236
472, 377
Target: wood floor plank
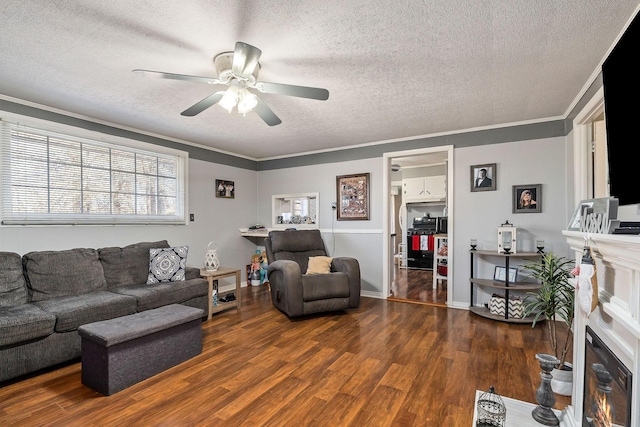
381, 407
386, 363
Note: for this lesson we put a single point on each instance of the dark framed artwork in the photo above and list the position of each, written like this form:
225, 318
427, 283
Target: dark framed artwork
353, 197
527, 198
484, 177
225, 189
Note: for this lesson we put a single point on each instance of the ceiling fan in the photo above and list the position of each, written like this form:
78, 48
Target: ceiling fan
239, 70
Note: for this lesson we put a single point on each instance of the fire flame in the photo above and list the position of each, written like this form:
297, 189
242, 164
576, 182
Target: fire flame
602, 416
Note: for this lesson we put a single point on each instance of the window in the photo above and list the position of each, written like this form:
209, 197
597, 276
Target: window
50, 178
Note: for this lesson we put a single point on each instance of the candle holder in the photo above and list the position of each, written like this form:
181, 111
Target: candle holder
600, 407
544, 394
474, 243
540, 246
507, 238
211, 262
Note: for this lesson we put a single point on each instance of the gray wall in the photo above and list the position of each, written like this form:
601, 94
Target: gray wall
525, 154
216, 219
477, 215
357, 239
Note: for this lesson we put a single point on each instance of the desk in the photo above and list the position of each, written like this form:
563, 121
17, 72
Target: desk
221, 273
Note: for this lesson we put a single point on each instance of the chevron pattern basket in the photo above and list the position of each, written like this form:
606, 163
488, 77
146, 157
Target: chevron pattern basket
516, 306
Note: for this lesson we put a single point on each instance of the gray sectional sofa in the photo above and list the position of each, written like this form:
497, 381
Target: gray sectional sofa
45, 296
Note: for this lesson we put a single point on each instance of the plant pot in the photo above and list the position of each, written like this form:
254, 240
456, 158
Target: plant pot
562, 382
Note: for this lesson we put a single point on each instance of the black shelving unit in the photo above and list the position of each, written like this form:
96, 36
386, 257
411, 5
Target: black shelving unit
506, 286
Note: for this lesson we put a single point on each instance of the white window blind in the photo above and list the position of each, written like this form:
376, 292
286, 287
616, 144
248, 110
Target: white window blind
50, 178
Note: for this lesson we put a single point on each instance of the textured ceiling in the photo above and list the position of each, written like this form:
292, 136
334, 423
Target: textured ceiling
394, 69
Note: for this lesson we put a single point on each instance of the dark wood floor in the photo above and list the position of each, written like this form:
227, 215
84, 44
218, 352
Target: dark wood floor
417, 286
386, 363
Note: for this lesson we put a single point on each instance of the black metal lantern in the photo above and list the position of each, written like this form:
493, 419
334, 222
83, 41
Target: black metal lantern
491, 410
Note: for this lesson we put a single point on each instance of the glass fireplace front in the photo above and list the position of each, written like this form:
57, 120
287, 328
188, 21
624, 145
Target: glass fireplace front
607, 386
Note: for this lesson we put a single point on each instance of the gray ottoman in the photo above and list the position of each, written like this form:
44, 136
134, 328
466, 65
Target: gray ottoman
120, 352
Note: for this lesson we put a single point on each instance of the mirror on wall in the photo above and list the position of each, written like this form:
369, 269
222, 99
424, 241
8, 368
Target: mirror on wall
295, 210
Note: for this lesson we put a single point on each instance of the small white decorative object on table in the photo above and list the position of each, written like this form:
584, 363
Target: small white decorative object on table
211, 262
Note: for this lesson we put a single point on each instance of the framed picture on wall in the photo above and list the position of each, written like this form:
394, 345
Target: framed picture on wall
225, 189
483, 177
527, 198
353, 197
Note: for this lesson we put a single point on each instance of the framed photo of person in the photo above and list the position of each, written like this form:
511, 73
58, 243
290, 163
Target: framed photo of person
483, 177
353, 197
527, 198
225, 189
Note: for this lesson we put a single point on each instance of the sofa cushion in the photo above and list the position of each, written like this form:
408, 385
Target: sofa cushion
127, 265
159, 294
319, 265
52, 274
297, 245
71, 312
167, 264
23, 323
324, 286
13, 290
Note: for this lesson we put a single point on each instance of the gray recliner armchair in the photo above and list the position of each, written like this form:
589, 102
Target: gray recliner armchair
296, 293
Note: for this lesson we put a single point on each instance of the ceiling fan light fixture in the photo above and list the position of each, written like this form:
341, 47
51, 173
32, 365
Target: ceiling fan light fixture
239, 70
229, 99
247, 101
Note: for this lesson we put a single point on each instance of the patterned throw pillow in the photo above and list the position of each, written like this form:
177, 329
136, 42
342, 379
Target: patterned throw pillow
167, 264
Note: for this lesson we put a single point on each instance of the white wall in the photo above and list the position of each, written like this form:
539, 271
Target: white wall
358, 239
216, 219
478, 214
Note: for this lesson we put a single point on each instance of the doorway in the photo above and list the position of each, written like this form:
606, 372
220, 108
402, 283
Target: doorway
399, 281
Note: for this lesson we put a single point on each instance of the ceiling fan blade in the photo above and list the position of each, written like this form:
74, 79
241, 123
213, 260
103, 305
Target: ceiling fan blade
204, 104
186, 77
245, 59
266, 113
291, 90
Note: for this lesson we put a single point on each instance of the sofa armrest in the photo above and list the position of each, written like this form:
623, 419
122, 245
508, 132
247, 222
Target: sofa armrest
285, 280
192, 273
351, 267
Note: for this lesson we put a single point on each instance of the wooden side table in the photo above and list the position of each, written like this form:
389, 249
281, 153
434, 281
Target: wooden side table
221, 273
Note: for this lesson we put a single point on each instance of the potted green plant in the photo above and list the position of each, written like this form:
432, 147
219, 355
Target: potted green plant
554, 300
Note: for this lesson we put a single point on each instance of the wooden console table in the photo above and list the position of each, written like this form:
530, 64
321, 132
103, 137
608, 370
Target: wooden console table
221, 273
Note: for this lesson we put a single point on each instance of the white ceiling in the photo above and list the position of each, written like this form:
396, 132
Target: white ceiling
394, 69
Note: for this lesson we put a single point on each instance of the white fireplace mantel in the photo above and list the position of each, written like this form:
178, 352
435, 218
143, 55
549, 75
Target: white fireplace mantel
616, 320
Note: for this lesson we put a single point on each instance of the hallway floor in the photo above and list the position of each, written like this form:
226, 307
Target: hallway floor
416, 286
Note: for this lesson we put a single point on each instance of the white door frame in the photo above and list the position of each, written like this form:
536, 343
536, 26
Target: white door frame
582, 146
387, 259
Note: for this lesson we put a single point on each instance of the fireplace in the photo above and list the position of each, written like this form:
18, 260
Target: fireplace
607, 386
606, 347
